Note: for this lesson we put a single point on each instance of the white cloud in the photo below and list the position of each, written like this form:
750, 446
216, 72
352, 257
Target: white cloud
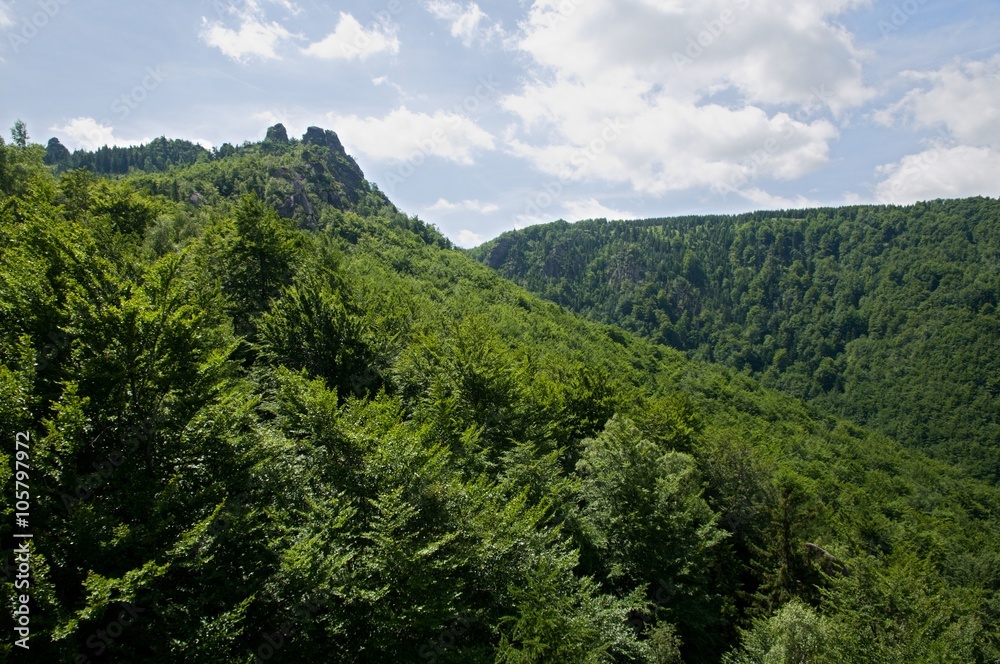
963, 97
6, 18
576, 210
941, 172
669, 145
89, 134
256, 37
464, 21
271, 118
591, 208
962, 100
768, 201
404, 135
778, 52
469, 239
86, 133
294, 119
531, 219
444, 205
661, 68
350, 41
384, 80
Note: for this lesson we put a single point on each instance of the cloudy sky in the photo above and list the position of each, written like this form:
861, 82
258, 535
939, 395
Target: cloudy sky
482, 117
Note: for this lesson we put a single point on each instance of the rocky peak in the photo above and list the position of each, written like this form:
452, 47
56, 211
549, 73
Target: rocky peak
277, 134
55, 152
323, 138
325, 174
340, 164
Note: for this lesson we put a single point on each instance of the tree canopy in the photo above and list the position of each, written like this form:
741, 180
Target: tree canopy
264, 435
885, 315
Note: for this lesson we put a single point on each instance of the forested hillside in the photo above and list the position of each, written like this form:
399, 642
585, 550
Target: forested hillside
158, 155
885, 315
272, 418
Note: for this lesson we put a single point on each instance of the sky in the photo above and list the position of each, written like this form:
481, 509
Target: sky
481, 117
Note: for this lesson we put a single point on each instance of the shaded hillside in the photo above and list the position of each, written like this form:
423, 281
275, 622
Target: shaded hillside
887, 315
349, 442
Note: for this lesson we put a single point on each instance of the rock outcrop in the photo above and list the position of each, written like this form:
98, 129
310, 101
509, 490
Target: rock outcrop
341, 165
277, 134
56, 152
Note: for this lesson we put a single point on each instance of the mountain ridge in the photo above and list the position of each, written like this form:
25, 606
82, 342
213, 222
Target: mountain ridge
814, 302
352, 442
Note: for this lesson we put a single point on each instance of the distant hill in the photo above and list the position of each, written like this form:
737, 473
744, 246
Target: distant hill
157, 155
887, 315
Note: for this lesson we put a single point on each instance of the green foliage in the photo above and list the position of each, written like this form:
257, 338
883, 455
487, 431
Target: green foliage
886, 315
252, 257
128, 211
644, 515
315, 325
19, 134
786, 569
793, 635
270, 434
563, 618
160, 154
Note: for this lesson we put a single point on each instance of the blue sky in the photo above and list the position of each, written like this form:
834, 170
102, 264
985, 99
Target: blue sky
482, 117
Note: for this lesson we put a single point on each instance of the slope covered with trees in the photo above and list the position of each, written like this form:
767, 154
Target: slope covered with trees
158, 155
259, 437
886, 315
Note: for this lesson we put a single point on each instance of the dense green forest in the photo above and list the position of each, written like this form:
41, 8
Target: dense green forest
273, 418
158, 155
885, 315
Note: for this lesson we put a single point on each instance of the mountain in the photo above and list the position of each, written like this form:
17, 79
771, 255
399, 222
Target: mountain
266, 416
885, 315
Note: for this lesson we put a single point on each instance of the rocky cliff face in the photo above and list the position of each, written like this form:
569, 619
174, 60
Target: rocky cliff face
341, 165
326, 174
296, 204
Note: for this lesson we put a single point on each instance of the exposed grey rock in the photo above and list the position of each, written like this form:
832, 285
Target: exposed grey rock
277, 134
